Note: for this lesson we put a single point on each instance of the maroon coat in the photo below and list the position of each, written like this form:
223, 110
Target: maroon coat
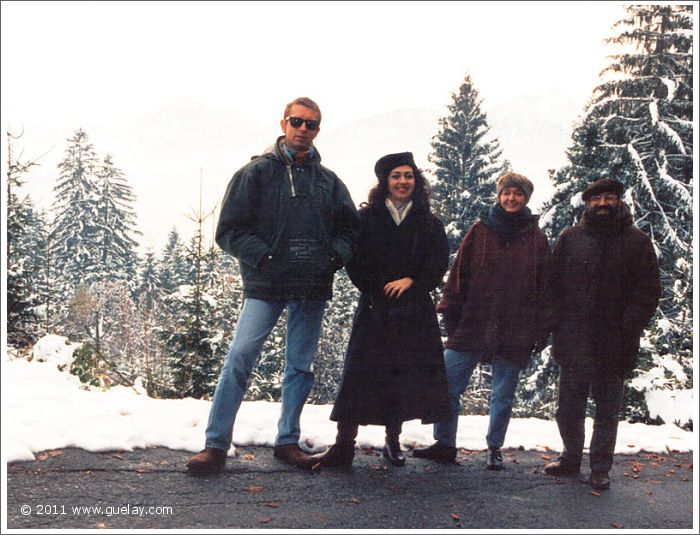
497, 288
605, 289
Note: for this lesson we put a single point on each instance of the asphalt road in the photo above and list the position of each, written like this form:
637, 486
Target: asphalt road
150, 489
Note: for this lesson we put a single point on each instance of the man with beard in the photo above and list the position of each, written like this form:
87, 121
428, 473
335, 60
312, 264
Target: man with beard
605, 284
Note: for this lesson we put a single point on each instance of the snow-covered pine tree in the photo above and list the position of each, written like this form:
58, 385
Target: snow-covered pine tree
43, 273
149, 299
467, 163
638, 129
22, 298
75, 241
172, 268
117, 224
191, 338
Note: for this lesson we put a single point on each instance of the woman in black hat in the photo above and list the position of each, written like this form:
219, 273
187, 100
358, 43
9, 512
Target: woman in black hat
394, 368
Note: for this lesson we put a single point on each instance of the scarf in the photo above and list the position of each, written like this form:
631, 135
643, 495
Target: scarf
398, 213
509, 225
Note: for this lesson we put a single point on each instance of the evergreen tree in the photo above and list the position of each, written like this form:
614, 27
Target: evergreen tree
172, 267
46, 276
192, 339
467, 163
75, 242
117, 224
149, 290
638, 129
22, 298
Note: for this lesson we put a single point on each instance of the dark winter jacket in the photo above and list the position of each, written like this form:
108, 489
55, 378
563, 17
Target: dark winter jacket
394, 369
496, 293
605, 287
288, 246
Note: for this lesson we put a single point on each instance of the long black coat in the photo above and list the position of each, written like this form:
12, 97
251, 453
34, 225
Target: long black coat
605, 290
394, 369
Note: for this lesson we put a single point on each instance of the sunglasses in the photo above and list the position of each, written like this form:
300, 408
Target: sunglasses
296, 122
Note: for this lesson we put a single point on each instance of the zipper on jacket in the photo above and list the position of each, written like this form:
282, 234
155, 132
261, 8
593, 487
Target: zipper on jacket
291, 179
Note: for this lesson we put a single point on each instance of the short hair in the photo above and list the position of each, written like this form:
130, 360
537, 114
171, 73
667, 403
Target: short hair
302, 101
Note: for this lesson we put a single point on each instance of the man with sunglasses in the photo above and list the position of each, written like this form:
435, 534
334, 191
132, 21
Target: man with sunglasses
605, 283
291, 223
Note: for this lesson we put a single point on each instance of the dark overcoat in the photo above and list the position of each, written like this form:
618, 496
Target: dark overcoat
498, 290
606, 288
394, 369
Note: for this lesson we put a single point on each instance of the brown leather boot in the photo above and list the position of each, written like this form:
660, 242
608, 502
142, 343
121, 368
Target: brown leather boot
292, 454
207, 461
338, 455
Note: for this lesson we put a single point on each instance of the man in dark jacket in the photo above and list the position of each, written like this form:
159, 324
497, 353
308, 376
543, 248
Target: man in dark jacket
291, 224
605, 282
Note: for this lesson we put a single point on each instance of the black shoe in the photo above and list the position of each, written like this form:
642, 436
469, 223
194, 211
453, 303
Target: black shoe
494, 459
338, 455
437, 452
392, 451
599, 479
562, 468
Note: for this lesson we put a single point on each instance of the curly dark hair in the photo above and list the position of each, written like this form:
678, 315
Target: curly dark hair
420, 197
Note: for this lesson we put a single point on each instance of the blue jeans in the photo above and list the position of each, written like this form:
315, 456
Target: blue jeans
459, 366
257, 319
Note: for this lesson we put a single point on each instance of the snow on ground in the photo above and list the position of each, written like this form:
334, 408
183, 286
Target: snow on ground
45, 408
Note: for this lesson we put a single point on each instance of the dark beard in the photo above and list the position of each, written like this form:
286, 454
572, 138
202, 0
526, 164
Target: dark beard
603, 216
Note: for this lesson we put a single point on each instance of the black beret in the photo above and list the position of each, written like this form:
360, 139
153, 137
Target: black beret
604, 185
386, 163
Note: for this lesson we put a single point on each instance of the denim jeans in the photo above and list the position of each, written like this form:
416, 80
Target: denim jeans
257, 319
459, 366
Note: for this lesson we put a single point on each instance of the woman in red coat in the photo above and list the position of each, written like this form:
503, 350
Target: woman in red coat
494, 309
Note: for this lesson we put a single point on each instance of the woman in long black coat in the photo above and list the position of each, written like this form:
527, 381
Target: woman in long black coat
394, 369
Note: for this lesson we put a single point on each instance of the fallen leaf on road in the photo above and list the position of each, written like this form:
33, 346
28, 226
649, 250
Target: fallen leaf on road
254, 488
265, 520
249, 457
273, 505
594, 493
455, 516
630, 445
352, 500
616, 525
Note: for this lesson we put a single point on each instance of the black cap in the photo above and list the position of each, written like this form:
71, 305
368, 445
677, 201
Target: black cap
386, 163
604, 185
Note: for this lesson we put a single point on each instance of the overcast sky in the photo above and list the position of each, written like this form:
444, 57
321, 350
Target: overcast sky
127, 72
